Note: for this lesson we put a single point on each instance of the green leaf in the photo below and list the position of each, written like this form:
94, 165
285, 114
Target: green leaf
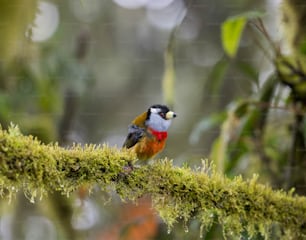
232, 29
218, 153
231, 34
249, 71
206, 124
168, 80
250, 120
216, 76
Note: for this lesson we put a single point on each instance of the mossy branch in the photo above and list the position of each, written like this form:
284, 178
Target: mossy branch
177, 193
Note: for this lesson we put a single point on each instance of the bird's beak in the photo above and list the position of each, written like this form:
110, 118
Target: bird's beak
170, 115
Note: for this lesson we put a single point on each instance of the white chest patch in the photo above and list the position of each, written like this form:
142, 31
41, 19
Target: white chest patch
157, 123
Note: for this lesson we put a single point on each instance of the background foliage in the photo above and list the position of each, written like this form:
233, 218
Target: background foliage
79, 71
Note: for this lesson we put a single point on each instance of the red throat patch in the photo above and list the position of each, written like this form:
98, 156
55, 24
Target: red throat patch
159, 135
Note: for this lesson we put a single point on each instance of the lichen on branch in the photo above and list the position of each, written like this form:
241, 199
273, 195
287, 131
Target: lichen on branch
177, 192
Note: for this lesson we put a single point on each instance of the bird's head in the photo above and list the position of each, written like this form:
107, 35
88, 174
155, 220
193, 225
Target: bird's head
159, 117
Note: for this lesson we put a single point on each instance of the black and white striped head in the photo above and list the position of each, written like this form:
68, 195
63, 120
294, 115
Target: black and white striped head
159, 117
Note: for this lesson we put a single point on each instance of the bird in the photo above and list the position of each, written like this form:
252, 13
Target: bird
147, 134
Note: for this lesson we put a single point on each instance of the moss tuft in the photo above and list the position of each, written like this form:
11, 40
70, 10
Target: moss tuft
178, 194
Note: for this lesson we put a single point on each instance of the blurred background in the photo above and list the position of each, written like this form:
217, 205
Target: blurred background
81, 70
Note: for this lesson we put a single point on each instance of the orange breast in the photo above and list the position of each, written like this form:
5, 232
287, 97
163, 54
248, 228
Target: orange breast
147, 147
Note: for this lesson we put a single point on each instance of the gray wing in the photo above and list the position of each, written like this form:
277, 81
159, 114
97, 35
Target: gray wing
134, 134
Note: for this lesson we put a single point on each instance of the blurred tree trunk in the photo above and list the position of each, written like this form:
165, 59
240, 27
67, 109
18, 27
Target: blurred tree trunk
292, 72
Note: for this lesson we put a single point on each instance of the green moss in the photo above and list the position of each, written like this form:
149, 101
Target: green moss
178, 194
239, 205
28, 164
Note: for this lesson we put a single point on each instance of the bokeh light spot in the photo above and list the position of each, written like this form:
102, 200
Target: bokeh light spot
46, 22
131, 4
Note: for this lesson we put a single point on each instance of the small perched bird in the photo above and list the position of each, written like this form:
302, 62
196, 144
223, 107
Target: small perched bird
148, 132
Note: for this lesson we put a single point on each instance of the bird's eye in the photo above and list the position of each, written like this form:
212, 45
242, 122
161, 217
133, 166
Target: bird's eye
162, 114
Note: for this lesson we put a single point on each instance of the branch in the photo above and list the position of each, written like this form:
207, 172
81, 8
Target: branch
29, 165
177, 193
